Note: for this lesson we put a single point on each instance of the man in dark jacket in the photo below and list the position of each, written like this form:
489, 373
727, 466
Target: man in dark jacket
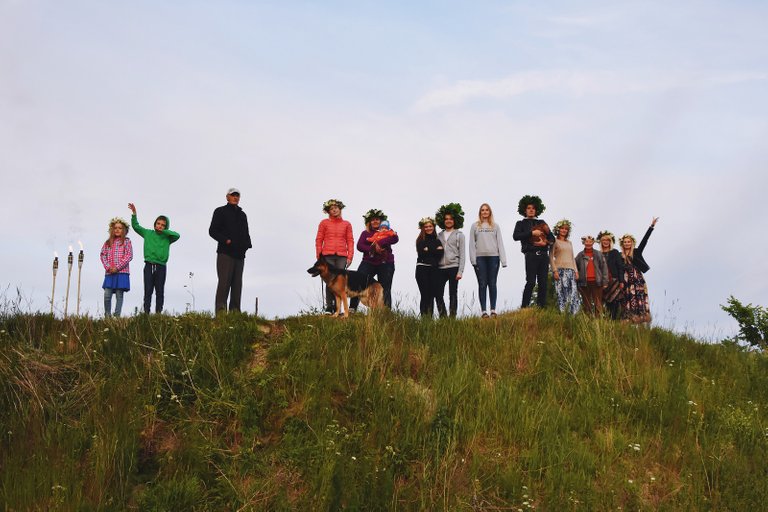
229, 227
535, 237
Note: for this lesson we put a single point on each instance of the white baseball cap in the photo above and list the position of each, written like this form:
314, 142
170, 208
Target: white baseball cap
233, 190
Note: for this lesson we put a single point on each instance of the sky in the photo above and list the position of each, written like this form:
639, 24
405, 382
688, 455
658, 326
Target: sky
613, 112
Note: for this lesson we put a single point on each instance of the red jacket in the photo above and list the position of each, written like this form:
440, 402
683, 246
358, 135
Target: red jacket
334, 238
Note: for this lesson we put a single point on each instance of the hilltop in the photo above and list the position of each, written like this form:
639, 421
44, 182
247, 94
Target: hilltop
534, 410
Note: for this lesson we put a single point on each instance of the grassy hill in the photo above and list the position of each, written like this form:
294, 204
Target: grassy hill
533, 411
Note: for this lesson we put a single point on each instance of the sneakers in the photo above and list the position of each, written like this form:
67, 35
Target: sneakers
493, 314
485, 315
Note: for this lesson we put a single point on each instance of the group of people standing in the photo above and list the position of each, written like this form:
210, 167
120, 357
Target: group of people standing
595, 279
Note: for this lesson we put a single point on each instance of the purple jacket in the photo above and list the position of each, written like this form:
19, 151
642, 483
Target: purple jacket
366, 247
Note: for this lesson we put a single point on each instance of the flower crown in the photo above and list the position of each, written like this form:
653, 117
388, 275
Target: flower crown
374, 214
426, 220
332, 202
627, 235
118, 220
453, 209
564, 223
605, 232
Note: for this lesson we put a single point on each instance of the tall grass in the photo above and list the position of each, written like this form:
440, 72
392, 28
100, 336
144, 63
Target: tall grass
535, 410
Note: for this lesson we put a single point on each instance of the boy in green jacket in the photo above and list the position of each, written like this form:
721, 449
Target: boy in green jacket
157, 244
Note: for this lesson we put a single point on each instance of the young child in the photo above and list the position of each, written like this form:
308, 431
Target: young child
116, 254
383, 232
157, 244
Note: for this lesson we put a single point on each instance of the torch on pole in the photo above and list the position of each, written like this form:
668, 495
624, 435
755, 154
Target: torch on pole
55, 270
69, 280
79, 273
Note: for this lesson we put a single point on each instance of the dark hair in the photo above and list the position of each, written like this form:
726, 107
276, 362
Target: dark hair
534, 200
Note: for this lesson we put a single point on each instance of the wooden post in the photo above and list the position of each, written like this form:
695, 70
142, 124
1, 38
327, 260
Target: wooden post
256, 308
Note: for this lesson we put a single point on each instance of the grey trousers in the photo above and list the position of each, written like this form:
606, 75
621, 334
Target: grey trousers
230, 272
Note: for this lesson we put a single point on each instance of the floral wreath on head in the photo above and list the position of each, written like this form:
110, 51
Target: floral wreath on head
627, 235
563, 223
332, 202
426, 220
452, 209
118, 220
534, 200
607, 233
374, 214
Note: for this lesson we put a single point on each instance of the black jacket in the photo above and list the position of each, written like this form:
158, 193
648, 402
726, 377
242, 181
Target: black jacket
522, 233
638, 261
430, 250
229, 222
615, 264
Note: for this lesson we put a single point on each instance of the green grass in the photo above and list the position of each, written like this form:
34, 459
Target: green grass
535, 410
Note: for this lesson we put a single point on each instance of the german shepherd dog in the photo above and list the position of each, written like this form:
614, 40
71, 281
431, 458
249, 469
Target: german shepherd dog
348, 283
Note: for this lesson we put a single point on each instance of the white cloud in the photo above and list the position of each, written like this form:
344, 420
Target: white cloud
576, 83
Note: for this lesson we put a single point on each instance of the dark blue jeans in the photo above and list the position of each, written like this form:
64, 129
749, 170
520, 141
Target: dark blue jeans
487, 270
384, 272
154, 280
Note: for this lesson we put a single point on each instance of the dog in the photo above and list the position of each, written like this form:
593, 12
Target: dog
348, 283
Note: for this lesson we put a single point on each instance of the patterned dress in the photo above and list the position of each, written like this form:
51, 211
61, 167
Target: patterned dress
635, 306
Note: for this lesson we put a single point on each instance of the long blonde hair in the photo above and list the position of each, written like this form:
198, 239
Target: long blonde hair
631, 254
490, 217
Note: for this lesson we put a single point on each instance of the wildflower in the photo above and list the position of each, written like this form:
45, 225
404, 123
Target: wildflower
64, 335
2, 331
106, 329
691, 402
158, 395
630, 481
653, 479
354, 458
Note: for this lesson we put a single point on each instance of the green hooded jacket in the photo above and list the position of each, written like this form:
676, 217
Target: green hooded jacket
156, 245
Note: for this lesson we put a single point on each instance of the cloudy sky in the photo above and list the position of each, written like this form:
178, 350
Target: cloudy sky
613, 112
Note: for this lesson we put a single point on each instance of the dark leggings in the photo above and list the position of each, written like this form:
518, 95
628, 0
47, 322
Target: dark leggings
428, 279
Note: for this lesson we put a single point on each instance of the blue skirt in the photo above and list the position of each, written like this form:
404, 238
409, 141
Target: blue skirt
120, 281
